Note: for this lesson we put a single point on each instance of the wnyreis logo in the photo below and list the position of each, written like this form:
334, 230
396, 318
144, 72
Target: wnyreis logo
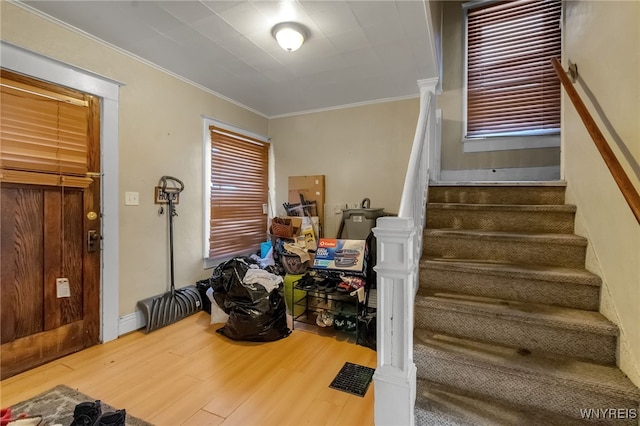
608, 413
327, 242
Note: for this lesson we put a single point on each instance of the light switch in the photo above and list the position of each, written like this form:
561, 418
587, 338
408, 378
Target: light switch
131, 199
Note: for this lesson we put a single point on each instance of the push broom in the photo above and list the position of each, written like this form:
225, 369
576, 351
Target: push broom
175, 304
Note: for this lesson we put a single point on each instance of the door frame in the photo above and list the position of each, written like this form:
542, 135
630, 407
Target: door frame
44, 68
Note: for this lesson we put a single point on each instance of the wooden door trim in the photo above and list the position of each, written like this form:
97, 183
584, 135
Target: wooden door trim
45, 68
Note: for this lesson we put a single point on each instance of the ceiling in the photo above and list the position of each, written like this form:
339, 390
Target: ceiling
357, 52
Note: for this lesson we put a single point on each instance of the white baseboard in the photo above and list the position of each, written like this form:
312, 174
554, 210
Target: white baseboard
548, 173
131, 322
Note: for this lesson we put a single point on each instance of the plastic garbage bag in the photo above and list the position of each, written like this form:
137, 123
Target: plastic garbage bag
255, 314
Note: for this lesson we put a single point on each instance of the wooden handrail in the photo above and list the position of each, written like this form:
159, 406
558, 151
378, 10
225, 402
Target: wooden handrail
629, 192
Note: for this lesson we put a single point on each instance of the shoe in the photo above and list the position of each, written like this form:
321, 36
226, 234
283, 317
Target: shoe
86, 413
322, 285
112, 418
26, 421
350, 324
338, 322
331, 286
343, 287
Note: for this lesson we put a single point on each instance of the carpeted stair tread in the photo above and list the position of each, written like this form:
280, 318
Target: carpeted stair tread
561, 208
535, 366
565, 239
547, 315
498, 193
444, 405
538, 272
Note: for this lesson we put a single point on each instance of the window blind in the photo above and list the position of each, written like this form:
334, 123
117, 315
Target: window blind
42, 132
512, 89
239, 189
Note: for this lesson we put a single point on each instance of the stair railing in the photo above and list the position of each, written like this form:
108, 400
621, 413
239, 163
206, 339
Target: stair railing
624, 183
399, 248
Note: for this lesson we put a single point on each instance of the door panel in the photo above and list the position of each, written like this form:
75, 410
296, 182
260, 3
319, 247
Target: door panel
22, 252
42, 240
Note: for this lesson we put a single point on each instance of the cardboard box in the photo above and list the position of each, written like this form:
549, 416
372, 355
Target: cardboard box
312, 188
341, 255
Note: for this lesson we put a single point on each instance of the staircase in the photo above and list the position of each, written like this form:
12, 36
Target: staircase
507, 328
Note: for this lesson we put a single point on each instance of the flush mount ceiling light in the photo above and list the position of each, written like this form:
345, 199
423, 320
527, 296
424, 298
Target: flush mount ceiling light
290, 35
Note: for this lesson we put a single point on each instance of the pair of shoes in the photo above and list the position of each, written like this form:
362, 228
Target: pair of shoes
90, 414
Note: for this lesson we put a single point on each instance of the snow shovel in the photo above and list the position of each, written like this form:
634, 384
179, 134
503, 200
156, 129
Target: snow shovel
176, 304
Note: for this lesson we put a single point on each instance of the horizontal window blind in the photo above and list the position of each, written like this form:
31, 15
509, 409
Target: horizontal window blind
239, 189
42, 131
511, 85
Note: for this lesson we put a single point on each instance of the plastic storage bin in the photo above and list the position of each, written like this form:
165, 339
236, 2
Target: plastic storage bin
359, 222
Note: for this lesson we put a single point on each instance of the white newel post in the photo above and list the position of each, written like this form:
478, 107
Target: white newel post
395, 377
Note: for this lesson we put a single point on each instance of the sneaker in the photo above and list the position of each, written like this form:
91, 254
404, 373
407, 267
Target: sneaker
331, 287
350, 324
344, 287
86, 413
338, 322
112, 418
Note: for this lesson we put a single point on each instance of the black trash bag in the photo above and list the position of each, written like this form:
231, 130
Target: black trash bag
225, 280
203, 286
254, 314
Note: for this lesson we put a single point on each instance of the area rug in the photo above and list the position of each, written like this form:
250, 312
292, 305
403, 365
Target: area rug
353, 378
56, 407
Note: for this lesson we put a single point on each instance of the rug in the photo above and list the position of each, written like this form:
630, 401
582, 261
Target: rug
56, 407
353, 378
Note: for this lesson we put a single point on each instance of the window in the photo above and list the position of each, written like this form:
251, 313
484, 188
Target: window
238, 197
511, 87
45, 132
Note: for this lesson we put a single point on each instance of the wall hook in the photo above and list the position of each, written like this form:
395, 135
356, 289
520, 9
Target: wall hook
573, 71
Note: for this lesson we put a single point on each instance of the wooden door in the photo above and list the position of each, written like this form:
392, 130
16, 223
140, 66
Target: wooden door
50, 259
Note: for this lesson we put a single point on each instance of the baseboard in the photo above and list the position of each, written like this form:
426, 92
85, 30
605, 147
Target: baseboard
547, 173
131, 322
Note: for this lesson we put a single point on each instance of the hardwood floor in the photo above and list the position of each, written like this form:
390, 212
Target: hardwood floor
187, 374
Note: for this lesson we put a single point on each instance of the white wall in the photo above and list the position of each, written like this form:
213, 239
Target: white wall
363, 152
603, 39
160, 134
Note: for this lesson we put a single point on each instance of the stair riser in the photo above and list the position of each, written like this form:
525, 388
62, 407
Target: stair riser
530, 391
538, 253
521, 289
534, 337
428, 418
497, 195
509, 221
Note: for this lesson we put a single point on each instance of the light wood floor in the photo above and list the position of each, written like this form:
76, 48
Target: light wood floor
187, 374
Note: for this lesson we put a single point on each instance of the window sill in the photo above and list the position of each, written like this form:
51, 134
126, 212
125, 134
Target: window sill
510, 143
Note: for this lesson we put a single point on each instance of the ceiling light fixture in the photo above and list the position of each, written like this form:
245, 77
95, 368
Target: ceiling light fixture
290, 35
